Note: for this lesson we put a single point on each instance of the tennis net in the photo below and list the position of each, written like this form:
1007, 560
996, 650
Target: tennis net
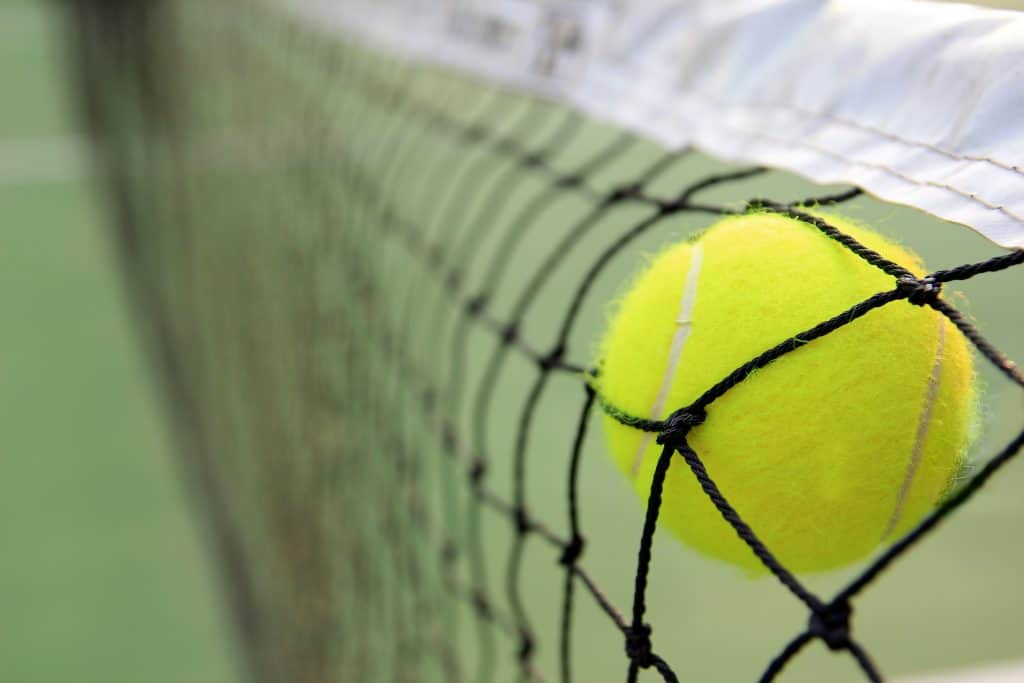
372, 246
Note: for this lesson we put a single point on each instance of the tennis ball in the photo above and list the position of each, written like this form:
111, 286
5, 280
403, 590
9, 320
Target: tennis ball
826, 452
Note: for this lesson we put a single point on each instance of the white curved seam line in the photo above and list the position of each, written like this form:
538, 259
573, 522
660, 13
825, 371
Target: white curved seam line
922, 431
683, 326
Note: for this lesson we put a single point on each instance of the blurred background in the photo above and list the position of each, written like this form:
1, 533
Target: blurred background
103, 576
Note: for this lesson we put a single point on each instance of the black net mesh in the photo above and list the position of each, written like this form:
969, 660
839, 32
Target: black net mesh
374, 289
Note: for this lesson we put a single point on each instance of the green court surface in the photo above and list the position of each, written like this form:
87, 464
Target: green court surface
103, 575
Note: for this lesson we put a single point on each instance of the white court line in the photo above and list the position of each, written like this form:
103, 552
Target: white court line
1009, 672
38, 161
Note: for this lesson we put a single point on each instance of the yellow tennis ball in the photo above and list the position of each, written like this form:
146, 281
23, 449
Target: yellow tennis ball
833, 448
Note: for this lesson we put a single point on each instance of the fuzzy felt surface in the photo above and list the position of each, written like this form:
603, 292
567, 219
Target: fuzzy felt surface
846, 441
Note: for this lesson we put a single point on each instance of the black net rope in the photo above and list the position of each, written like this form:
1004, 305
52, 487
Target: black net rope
412, 416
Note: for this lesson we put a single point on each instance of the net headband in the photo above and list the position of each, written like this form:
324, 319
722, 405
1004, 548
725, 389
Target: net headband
919, 103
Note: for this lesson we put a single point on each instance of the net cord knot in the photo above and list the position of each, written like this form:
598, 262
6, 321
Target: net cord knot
533, 160
481, 605
525, 646
571, 552
477, 471
638, 645
919, 292
832, 624
628, 191
522, 521
679, 424
448, 438
509, 334
552, 359
475, 305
